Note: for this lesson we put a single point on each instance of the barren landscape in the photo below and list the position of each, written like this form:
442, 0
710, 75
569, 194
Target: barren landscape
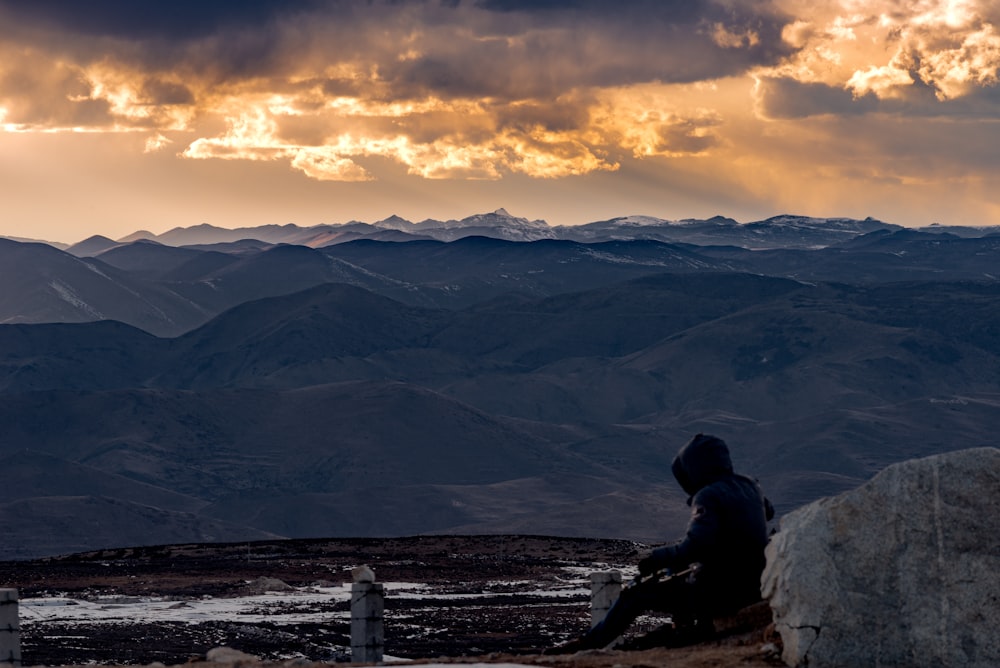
449, 598
442, 389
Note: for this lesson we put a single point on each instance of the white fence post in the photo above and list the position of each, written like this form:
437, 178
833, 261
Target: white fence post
367, 627
605, 588
10, 630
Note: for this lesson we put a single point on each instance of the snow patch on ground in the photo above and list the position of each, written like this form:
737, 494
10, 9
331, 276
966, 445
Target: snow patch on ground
300, 605
637, 221
67, 294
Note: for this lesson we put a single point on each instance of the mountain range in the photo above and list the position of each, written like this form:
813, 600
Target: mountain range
246, 389
169, 290
784, 231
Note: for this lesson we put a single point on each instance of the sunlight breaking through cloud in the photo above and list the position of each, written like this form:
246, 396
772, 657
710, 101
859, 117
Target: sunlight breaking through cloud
467, 139
891, 49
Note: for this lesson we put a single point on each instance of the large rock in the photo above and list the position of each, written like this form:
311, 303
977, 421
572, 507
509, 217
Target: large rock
902, 571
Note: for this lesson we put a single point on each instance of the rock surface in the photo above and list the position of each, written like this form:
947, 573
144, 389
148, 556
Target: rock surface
902, 571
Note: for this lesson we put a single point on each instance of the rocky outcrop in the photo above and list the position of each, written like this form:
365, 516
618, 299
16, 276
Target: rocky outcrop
902, 571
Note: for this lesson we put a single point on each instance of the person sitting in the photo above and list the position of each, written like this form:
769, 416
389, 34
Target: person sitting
715, 568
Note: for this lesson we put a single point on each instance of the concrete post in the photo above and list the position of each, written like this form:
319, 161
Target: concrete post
367, 627
605, 588
10, 630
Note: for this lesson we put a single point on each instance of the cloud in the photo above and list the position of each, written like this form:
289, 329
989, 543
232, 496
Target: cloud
465, 150
789, 98
156, 143
448, 89
54, 95
646, 121
174, 20
496, 48
484, 89
895, 51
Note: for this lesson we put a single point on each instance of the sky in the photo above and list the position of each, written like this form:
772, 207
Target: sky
118, 115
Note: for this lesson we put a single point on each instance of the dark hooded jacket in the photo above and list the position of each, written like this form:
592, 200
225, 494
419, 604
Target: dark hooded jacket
727, 532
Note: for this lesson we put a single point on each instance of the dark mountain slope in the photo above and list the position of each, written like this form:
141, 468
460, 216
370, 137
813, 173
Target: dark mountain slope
777, 356
775, 364
78, 523
337, 410
199, 268
85, 356
91, 246
274, 272
43, 284
148, 259
171, 440
884, 257
474, 269
259, 454
251, 342
960, 311
320, 439
605, 322
32, 474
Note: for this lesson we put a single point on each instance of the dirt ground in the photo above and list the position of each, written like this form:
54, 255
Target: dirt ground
482, 609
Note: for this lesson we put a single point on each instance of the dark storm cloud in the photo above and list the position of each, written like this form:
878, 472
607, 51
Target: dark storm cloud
212, 41
132, 19
464, 48
158, 91
532, 5
520, 50
783, 98
556, 116
675, 11
789, 99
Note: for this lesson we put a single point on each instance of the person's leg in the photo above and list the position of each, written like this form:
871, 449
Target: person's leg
628, 606
690, 622
676, 596
632, 602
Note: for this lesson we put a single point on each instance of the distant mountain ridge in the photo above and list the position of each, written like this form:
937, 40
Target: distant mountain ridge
786, 231
168, 290
780, 231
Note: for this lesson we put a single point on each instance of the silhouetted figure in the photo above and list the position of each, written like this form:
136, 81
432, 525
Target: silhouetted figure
722, 551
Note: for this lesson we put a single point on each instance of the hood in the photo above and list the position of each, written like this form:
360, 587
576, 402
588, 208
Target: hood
702, 461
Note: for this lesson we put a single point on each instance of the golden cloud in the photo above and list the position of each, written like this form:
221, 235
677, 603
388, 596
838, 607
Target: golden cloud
887, 48
956, 68
647, 121
157, 143
454, 139
256, 134
46, 94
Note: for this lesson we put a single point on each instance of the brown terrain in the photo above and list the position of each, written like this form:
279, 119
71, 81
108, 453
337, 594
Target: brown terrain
480, 603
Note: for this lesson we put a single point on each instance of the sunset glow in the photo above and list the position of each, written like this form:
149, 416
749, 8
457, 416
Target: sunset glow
317, 111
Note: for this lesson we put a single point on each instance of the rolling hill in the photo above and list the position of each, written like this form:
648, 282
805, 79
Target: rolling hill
335, 410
